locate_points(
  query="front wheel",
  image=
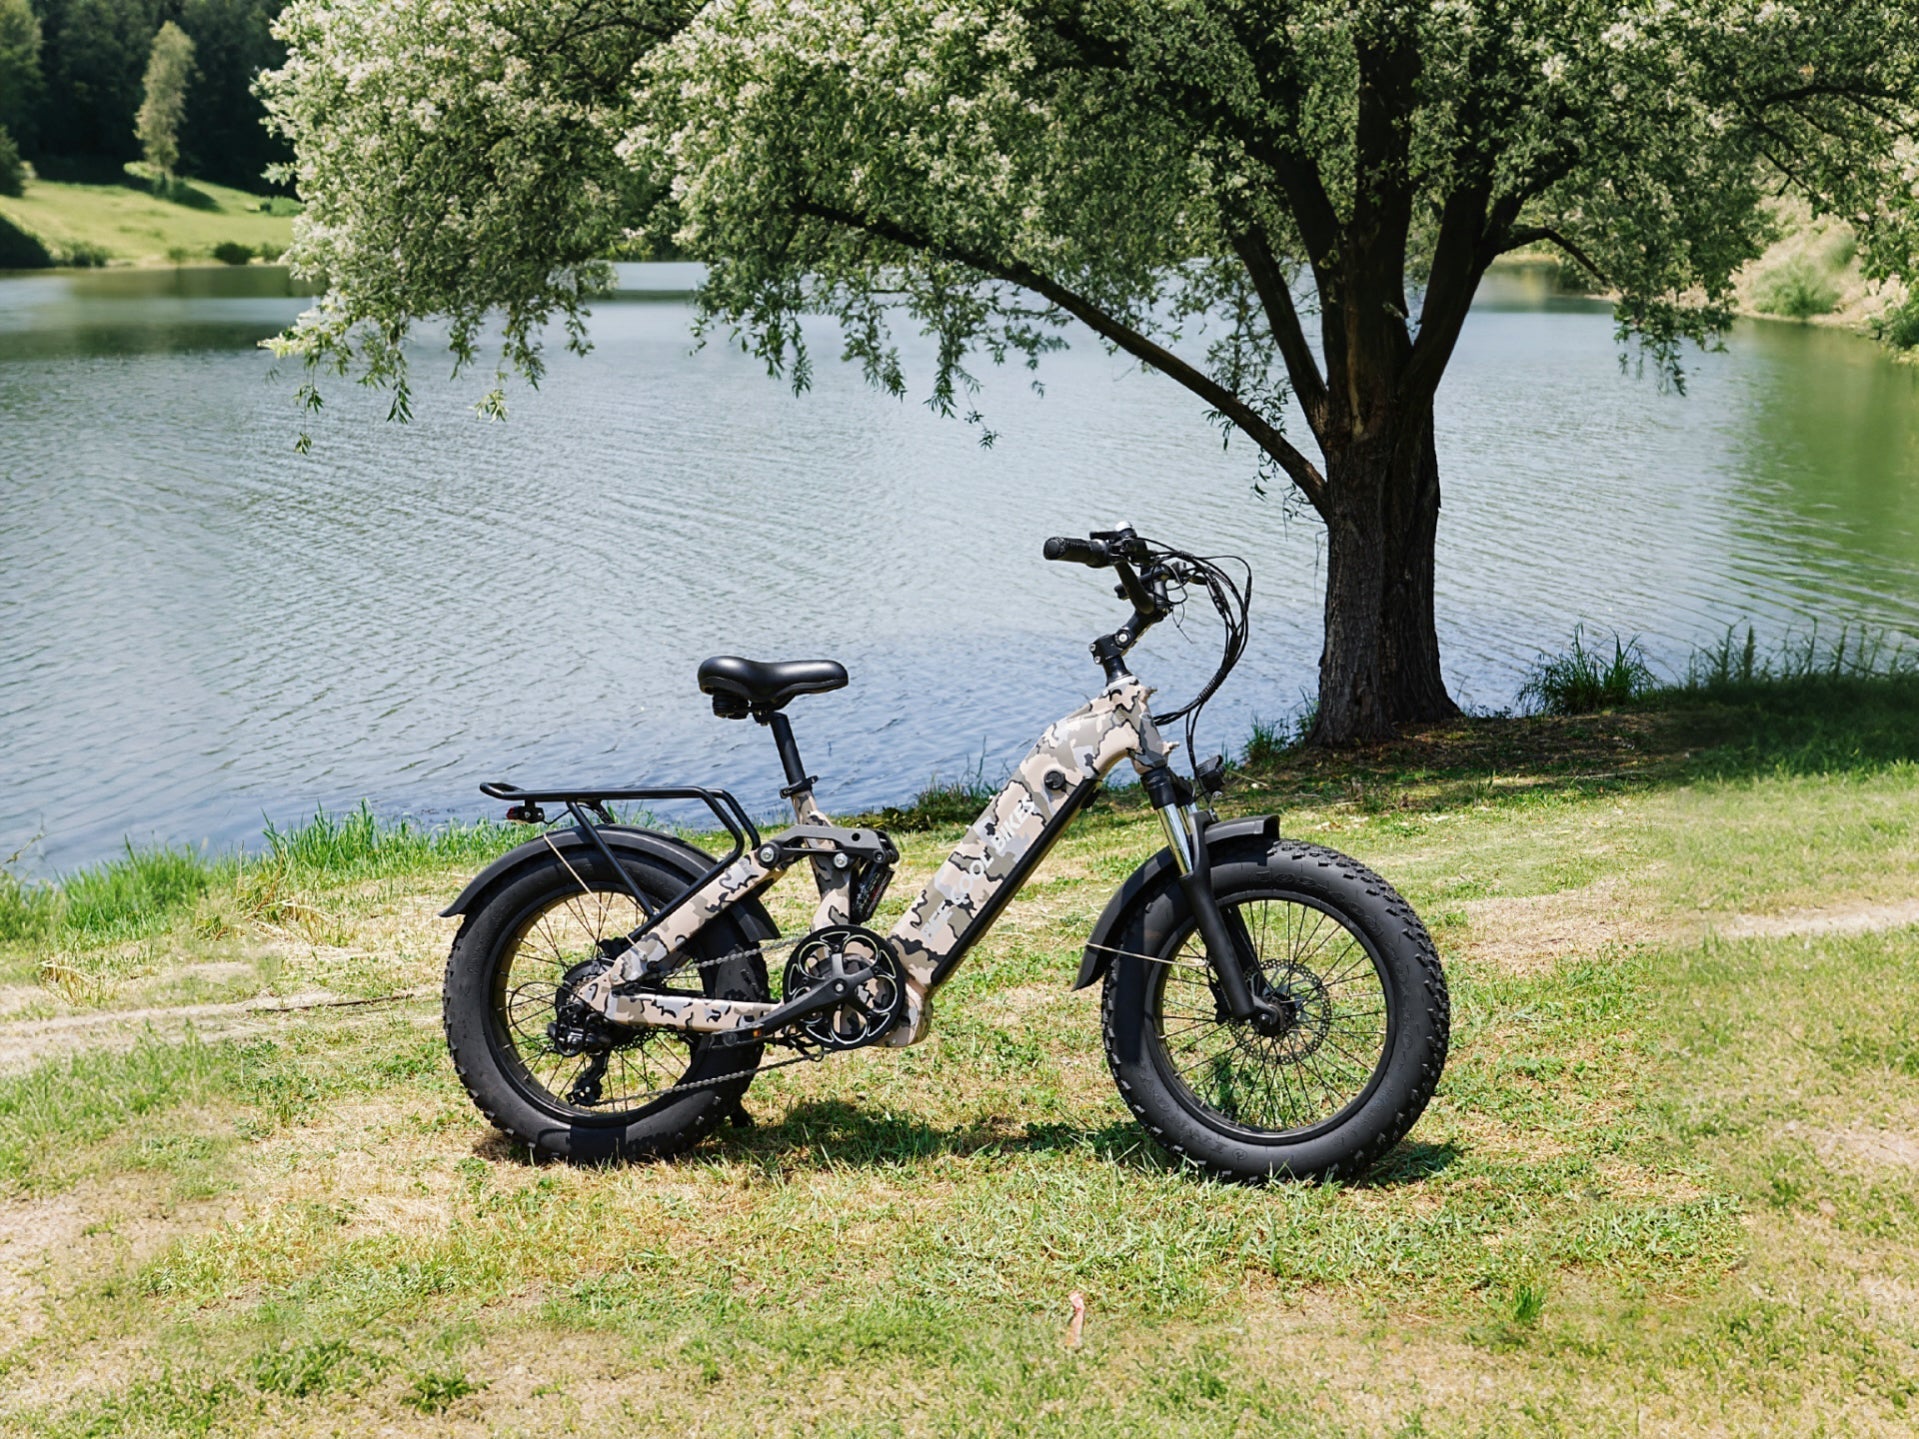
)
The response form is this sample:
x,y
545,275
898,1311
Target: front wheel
x,y
1352,1061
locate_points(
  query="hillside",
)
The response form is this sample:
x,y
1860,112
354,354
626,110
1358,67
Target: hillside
x,y
127,224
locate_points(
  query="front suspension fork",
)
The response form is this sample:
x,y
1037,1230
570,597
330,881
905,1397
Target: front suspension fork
x,y
1229,948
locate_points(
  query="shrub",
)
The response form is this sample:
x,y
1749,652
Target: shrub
x,y
83,256
232,252
13,170
1805,273
1900,327
1581,681
21,251
1794,289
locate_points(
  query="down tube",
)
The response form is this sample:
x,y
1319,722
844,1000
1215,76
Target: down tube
x,y
1003,845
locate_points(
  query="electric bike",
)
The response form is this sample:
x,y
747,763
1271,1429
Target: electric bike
x,y
1270,1009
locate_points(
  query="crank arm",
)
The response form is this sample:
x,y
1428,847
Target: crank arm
x,y
822,996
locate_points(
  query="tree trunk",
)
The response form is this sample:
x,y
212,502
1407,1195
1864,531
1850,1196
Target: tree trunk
x,y
1380,665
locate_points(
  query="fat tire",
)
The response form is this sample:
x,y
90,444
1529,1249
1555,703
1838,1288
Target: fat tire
x,y
666,1127
1410,973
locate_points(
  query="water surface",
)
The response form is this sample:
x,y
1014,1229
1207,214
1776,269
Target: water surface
x,y
201,630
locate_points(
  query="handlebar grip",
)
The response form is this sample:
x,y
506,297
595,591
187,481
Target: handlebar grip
x,y
1091,553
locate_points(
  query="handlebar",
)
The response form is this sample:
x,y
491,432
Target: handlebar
x,y
1154,579
1120,550
1094,554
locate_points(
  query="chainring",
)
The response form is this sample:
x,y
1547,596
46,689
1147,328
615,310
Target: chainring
x,y
872,1007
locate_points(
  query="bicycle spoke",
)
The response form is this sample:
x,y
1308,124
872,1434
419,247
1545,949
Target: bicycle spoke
x,y
1295,1078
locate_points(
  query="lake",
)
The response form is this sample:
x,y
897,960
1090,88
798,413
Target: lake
x,y
201,630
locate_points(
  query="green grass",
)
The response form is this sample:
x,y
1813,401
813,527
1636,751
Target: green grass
x,y
1667,1185
129,224
1582,681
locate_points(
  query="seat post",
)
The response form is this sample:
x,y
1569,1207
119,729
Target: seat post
x,y
782,727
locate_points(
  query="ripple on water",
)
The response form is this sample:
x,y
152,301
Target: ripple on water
x,y
203,629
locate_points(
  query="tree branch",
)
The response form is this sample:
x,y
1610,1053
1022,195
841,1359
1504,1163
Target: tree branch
x,y
1276,298
1532,235
1459,259
1258,429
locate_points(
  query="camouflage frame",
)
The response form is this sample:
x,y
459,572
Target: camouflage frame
x,y
966,894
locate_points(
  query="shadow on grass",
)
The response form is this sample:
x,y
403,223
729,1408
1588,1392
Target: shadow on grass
x,y
834,1134
1814,724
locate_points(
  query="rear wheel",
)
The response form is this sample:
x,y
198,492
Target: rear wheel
x,y
1350,1064
553,1073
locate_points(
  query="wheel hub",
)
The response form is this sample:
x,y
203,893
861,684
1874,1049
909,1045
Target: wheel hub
x,y
577,1027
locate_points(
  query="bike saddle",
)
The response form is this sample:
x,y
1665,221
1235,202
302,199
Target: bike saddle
x,y
738,685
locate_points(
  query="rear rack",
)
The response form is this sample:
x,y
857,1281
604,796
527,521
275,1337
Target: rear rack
x,y
578,801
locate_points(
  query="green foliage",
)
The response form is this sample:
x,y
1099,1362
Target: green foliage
x,y
981,172
21,86
131,895
941,805
13,174
1267,743
93,57
232,252
223,134
19,250
358,844
1805,273
83,103
146,890
1733,665
1795,289
435,1391
1899,326
1582,681
164,102
85,255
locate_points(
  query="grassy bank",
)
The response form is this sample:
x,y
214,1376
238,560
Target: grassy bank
x,y
127,223
1668,1184
1809,272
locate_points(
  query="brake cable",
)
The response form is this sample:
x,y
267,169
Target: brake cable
x,y
1232,600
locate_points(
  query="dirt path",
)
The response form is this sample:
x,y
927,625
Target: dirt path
x,y
1529,934
1523,934
29,1042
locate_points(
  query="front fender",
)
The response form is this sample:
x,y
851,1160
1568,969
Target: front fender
x,y
1262,830
664,850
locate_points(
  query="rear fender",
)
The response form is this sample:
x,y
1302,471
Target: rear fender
x,y
1259,832
668,852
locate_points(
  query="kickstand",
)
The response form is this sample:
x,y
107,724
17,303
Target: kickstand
x,y
738,1117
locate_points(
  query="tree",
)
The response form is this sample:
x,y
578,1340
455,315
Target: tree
x,y
169,68
1193,182
20,81
92,56
13,175
225,138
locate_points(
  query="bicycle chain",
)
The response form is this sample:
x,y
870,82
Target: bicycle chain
x,y
805,1056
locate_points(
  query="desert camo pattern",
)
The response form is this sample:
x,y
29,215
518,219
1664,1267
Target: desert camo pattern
x,y
1075,750
1078,749
743,879
835,885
